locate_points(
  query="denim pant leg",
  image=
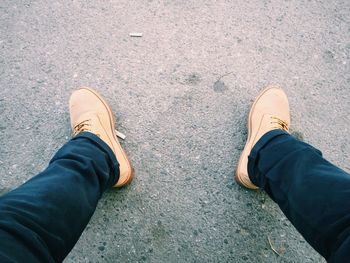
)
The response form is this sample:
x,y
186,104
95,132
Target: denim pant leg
x,y
313,193
41,220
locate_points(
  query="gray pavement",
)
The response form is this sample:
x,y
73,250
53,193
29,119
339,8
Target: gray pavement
x,y
181,94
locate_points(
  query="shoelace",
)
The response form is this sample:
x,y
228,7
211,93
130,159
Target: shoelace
x,y
82,126
280,124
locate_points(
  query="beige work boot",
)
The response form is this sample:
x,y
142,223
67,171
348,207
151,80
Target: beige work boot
x,y
90,112
270,111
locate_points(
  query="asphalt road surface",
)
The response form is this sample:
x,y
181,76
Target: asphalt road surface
x,y
181,94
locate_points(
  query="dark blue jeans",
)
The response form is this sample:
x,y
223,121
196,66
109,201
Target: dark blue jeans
x,y
311,192
43,219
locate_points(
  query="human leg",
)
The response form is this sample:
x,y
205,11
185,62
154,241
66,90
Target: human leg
x,y
42,220
313,193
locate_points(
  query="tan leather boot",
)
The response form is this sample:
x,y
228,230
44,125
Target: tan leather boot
x,y
270,111
90,112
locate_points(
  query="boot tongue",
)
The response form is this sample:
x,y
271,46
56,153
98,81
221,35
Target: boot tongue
x,y
85,123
